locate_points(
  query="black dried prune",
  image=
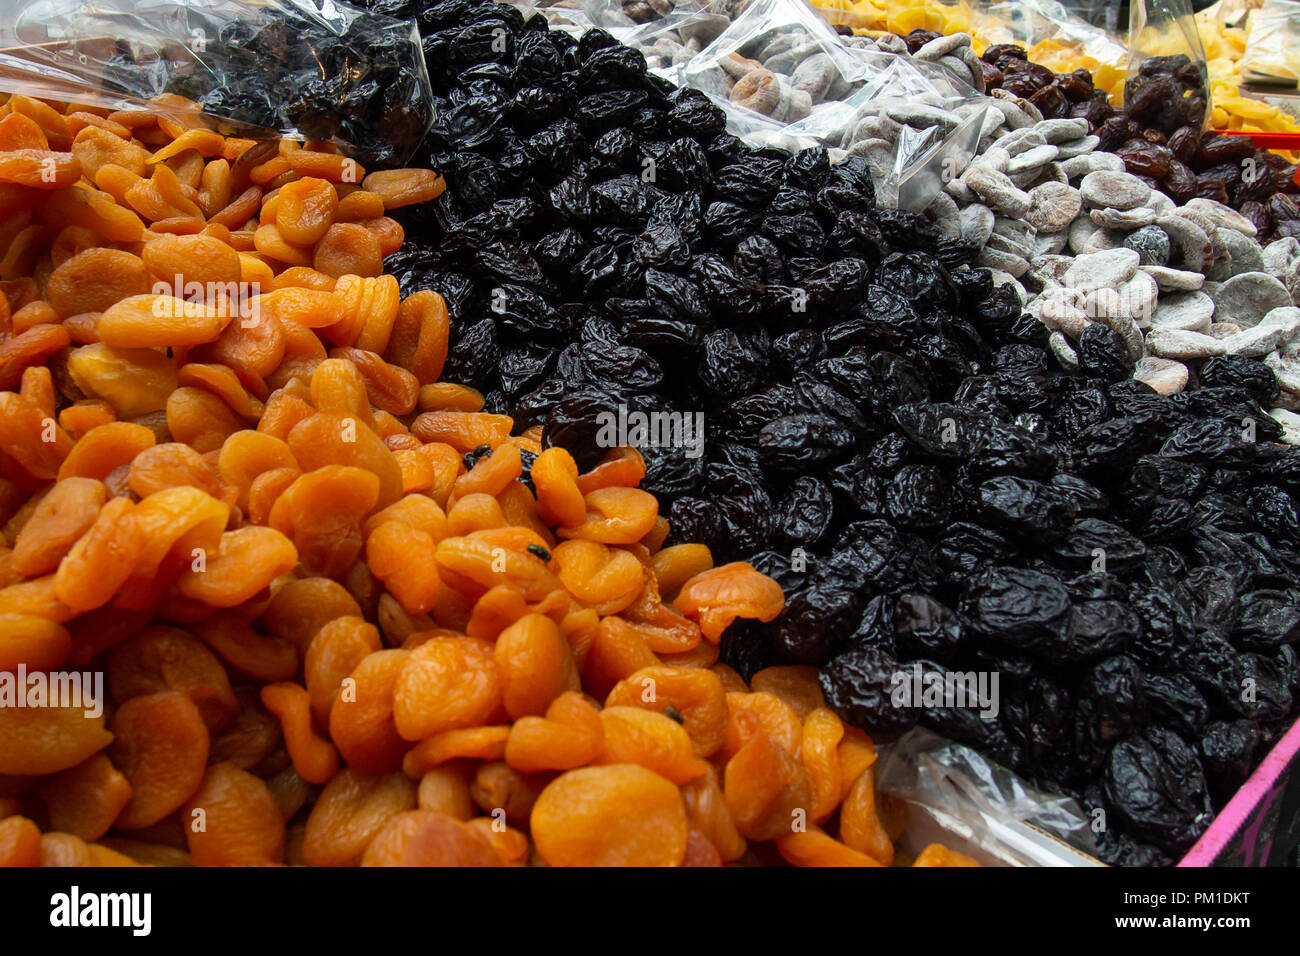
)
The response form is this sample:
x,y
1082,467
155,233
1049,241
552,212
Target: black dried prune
x,y
925,627
804,513
1103,353
1098,628
793,442
1174,700
1024,507
1146,791
1227,749
917,497
1237,371
860,684
1027,609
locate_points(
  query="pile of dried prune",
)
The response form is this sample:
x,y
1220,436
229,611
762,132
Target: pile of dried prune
x,y
885,431
331,76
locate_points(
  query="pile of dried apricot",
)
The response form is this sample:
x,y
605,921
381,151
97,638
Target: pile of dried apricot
x,y
343,616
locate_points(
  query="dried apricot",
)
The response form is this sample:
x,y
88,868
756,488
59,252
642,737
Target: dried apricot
x,y
161,746
619,815
718,596
167,658
570,735
444,684
233,820
428,838
314,758
45,739
85,800
361,720
695,696
651,739
535,665
349,812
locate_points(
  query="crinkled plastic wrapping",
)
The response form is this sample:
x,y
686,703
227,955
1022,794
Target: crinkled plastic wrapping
x,y
784,78
1158,31
569,16
1273,47
1049,26
979,807
1103,14
670,42
256,67
612,14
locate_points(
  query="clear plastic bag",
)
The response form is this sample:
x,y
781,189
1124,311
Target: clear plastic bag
x,y
1168,82
1102,14
271,67
785,78
962,799
1050,31
1273,48
670,42
609,14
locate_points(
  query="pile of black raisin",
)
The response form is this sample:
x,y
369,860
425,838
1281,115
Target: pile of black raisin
x,y
885,432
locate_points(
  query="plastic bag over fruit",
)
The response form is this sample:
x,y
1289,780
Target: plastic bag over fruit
x,y
1168,83
961,798
1052,35
1273,48
785,78
272,67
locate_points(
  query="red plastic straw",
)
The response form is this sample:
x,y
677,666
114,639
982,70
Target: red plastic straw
x,y
1267,140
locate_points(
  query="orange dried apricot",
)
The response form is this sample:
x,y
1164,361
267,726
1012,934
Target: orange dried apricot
x,y
20,842
535,665
718,596
66,513
361,720
428,838
615,515
860,826
40,740
444,684
651,739
570,735
35,643
166,658
936,854
335,651
233,820
696,696
605,578
402,556
402,187
617,815
95,279
350,811
161,746
314,758
85,800
302,606
246,561
814,847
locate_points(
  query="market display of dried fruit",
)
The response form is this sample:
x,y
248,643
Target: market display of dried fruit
x,y
581,503
344,613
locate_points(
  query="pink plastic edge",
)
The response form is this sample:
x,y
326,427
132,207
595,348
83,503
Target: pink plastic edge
x,y
1234,815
